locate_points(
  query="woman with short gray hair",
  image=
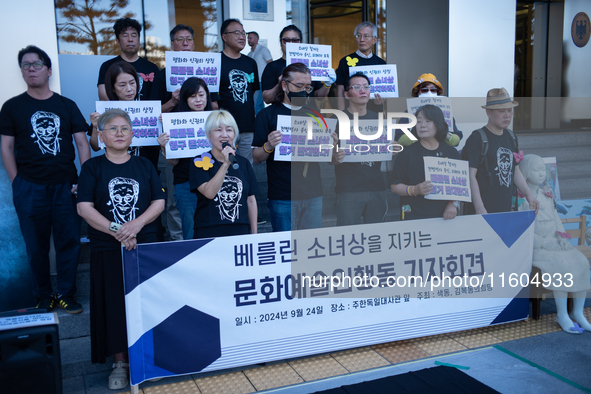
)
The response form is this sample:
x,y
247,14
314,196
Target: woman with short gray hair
x,y
119,196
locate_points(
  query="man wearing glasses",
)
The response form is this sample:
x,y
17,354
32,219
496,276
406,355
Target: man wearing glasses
x,y
366,36
360,186
182,38
127,37
39,126
239,80
272,73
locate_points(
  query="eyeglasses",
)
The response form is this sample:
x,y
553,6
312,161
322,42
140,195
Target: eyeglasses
x,y
287,39
360,87
36,65
427,90
300,87
364,36
180,40
237,33
114,130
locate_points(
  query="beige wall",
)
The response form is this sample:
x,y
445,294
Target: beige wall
x,y
417,41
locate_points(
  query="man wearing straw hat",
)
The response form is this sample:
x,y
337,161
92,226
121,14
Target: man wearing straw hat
x,y
493,156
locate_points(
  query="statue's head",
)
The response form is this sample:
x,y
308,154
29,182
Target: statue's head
x,y
533,169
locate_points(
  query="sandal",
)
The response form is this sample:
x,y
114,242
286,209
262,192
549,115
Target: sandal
x,y
119,378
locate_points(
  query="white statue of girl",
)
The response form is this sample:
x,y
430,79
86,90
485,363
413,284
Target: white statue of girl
x,y
553,254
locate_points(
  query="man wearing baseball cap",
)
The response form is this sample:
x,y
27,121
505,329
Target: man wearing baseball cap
x,y
493,157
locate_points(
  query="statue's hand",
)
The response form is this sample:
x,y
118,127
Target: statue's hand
x,y
564,244
551,245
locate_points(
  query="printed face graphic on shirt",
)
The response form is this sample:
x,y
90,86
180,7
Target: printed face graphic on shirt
x,y
228,198
46,126
141,79
123,193
504,166
239,85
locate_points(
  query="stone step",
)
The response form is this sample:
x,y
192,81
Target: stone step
x,y
75,356
575,188
557,140
562,154
75,325
574,169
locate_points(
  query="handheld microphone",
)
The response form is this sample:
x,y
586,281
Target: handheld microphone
x,y
235,164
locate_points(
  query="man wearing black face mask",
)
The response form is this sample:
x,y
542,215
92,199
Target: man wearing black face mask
x,y
295,200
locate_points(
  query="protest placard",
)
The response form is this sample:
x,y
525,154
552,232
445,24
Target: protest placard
x,y
295,145
318,58
187,134
183,65
412,104
362,150
383,79
144,119
449,178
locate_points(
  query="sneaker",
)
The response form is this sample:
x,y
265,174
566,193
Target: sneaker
x,y
46,303
119,378
69,304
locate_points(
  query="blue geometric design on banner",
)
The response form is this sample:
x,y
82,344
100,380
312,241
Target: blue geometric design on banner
x,y
141,360
517,309
510,226
258,6
155,258
187,341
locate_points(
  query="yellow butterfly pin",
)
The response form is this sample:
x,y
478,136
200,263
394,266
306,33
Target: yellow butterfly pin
x,y
352,62
204,161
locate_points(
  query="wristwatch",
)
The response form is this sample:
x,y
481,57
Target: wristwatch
x,y
114,227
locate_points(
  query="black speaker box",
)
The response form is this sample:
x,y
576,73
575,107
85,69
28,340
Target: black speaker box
x,y
30,361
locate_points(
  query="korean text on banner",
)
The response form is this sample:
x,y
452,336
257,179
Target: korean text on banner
x,y
242,300
318,58
295,144
413,104
144,119
449,178
383,79
187,134
183,65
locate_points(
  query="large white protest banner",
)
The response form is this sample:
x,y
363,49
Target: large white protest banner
x,y
295,144
383,79
412,104
449,178
318,58
144,119
183,65
210,304
187,133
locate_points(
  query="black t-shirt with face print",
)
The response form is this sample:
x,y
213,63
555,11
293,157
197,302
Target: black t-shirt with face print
x,y
121,193
497,196
238,82
229,206
43,132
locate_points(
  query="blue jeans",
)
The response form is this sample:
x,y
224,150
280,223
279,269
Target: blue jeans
x,y
296,214
186,203
41,208
352,206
